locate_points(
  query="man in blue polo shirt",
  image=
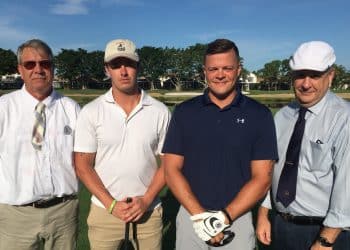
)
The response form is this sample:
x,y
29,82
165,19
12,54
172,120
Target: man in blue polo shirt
x,y
219,153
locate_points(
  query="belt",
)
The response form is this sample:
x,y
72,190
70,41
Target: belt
x,y
301,220
50,202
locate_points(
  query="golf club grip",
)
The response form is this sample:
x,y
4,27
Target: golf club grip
x,y
127,225
127,229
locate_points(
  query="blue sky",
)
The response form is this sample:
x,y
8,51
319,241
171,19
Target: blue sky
x,y
264,30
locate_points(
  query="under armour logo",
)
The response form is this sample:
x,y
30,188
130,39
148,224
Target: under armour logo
x,y
240,120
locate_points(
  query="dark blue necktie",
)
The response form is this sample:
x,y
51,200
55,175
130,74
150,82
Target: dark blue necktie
x,y
288,179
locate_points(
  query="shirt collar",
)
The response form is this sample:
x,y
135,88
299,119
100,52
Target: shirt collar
x,y
235,102
318,107
145,99
32,101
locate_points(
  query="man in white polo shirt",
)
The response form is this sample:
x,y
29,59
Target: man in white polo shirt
x,y
118,138
38,185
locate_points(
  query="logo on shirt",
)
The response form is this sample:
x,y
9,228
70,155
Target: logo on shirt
x,y
67,130
240,120
319,141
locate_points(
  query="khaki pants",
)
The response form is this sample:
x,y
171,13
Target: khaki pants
x,y
107,231
22,228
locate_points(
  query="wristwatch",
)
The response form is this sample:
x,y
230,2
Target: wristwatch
x,y
324,242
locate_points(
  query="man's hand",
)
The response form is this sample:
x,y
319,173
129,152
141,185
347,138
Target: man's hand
x,y
263,226
138,206
120,210
209,224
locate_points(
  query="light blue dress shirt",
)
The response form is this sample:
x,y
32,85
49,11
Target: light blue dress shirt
x,y
323,184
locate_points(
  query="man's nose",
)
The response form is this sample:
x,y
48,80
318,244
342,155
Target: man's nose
x,y
220,73
123,70
306,81
38,67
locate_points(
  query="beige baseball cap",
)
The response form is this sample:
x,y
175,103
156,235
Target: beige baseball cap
x,y
121,48
314,55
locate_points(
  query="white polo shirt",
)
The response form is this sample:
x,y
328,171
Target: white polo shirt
x,y
26,174
126,146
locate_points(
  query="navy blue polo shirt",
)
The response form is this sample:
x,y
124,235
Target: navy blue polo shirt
x,y
219,144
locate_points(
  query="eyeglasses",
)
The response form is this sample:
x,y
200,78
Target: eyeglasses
x,y
119,62
46,64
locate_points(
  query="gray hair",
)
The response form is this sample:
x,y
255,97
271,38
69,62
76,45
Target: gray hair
x,y
35,44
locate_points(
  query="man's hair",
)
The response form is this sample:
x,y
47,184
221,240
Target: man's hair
x,y
35,44
221,46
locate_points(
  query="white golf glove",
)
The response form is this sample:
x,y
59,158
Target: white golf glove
x,y
209,224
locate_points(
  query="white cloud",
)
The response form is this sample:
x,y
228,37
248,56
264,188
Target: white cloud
x,y
74,46
70,7
207,37
11,36
80,7
122,2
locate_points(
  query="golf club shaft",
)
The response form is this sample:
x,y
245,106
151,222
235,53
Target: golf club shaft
x,y
127,227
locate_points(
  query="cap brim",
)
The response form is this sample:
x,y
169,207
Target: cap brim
x,y
132,57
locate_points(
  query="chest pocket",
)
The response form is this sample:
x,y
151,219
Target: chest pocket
x,y
60,141
319,156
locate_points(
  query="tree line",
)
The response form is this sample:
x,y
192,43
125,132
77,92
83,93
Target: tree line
x,y
171,66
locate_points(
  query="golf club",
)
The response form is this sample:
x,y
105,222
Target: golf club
x,y
126,243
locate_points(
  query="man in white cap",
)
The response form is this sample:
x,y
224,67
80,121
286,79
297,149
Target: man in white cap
x,y
119,135
310,190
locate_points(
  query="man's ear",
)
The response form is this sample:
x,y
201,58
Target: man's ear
x,y
239,70
205,74
19,69
331,75
107,72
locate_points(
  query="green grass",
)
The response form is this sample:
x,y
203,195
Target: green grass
x,y
84,207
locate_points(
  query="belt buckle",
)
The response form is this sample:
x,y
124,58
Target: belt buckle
x,y
43,203
287,216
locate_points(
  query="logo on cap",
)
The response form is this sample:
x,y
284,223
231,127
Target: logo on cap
x,y
121,47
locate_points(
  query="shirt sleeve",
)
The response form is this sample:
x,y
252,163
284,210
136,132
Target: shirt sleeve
x,y
174,138
267,201
85,132
265,147
2,121
2,118
162,130
339,209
